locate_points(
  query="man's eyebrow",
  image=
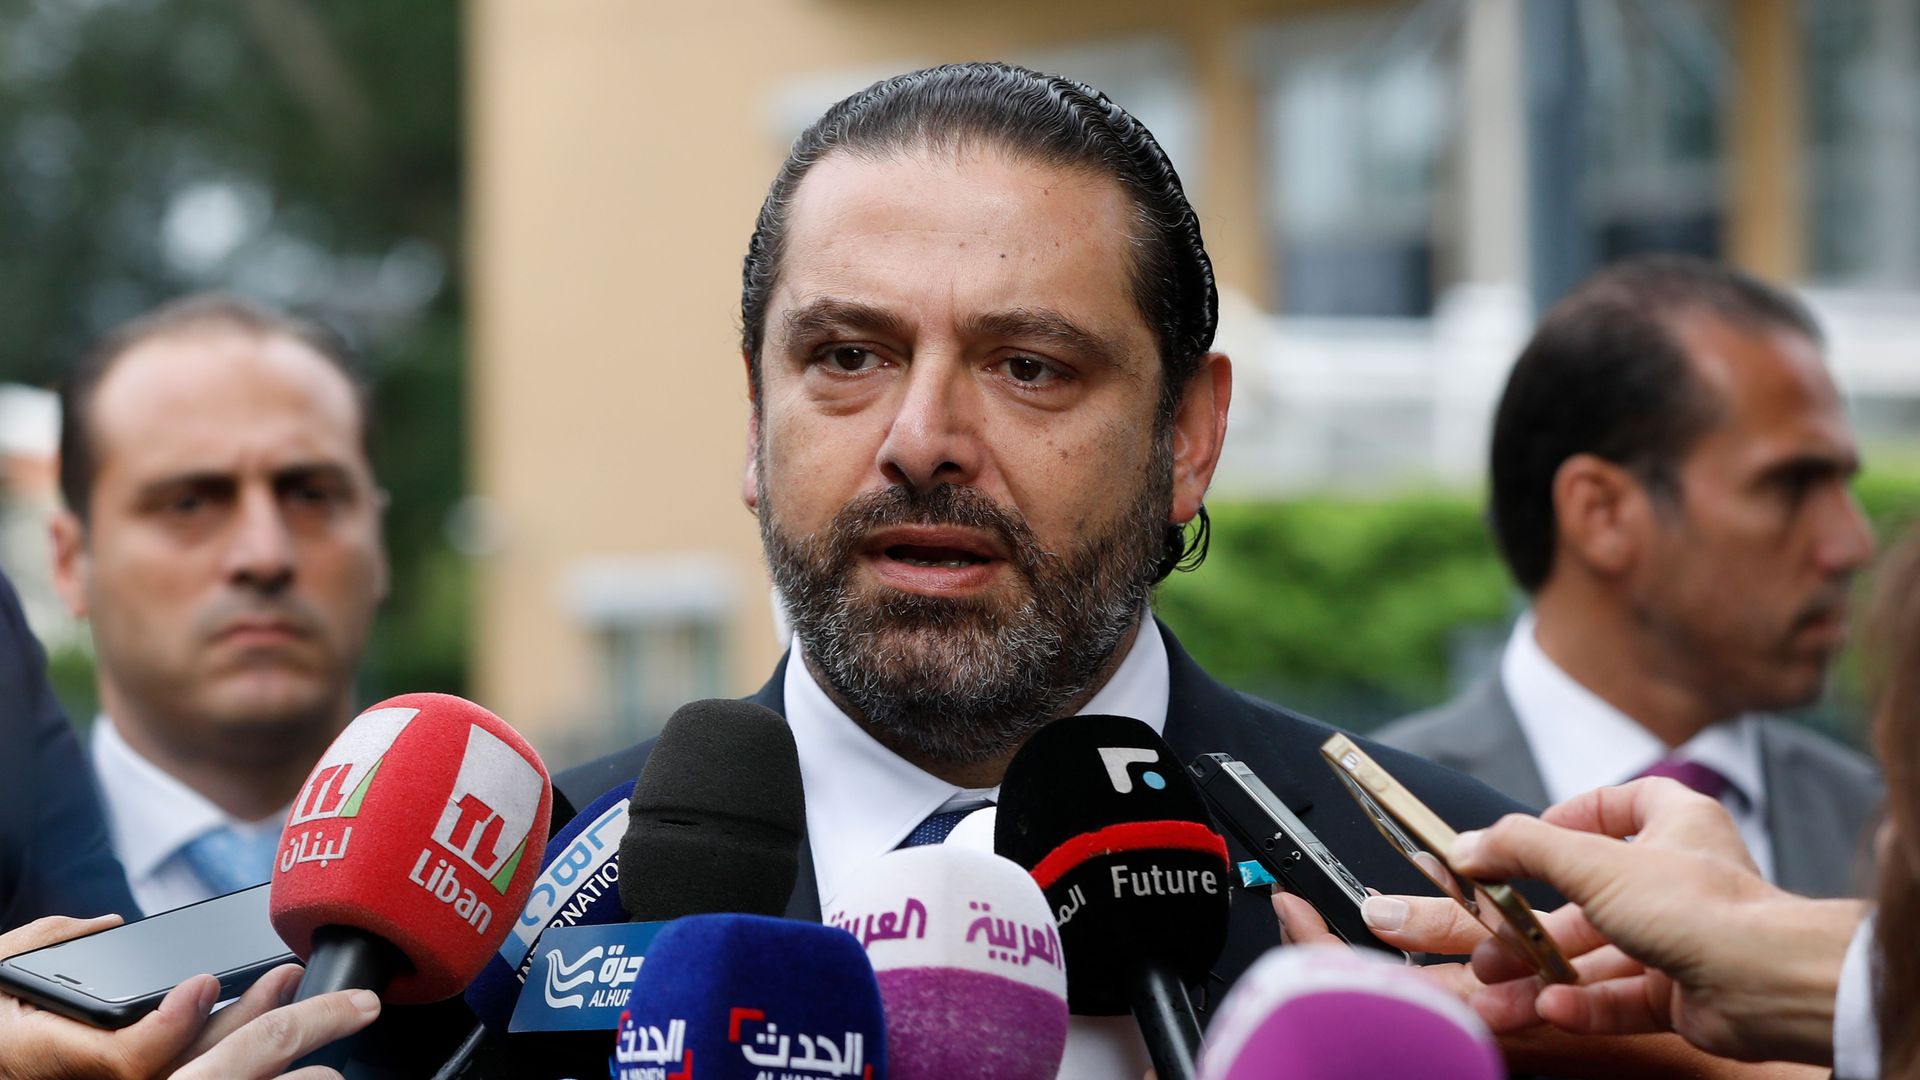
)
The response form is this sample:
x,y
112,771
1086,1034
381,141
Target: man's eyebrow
x,y
217,478
1045,326
831,314
1838,463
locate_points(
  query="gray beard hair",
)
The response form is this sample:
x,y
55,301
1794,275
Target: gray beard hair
x,y
964,680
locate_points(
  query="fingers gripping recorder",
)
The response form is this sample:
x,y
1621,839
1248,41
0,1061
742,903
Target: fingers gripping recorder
x,y
1427,842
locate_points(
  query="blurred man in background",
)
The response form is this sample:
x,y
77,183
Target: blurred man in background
x,y
1670,485
222,537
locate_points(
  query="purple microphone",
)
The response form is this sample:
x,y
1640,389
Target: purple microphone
x,y
1330,1013
970,967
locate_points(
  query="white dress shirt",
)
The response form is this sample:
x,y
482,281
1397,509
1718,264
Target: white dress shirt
x,y
151,816
1856,1031
863,800
1580,742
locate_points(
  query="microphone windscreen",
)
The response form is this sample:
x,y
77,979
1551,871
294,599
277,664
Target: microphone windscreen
x,y
414,827
578,886
717,816
1115,833
968,962
1333,1013
746,996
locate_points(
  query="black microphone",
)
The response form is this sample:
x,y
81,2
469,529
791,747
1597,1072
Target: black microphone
x,y
1116,835
713,825
717,817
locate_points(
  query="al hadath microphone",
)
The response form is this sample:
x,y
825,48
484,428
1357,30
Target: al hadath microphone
x,y
969,964
1325,1012
744,997
1106,820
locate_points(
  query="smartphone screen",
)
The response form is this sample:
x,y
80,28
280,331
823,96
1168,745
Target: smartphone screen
x,y
227,936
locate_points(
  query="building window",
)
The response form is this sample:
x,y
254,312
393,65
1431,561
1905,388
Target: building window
x,y
1863,132
658,625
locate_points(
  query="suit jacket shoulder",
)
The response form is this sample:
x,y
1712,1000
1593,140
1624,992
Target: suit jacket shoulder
x,y
55,858
1823,803
1478,734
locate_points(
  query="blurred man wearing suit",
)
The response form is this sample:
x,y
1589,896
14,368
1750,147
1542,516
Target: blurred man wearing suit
x,y
1670,485
222,538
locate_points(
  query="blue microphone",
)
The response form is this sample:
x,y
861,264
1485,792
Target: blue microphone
x,y
578,886
745,996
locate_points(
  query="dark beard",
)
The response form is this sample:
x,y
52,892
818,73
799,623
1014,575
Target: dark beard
x,y
963,680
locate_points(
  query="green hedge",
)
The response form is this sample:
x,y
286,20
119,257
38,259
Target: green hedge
x,y
1360,610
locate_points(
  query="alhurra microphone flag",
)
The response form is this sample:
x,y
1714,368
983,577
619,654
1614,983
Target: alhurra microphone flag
x,y
1333,1013
415,828
969,964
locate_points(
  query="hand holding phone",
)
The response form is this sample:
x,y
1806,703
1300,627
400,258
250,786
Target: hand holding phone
x,y
178,1038
1427,842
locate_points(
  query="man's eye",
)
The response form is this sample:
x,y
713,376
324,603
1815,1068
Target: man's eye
x,y
1030,370
186,504
851,358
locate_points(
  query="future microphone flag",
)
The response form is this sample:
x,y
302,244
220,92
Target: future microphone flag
x,y
415,827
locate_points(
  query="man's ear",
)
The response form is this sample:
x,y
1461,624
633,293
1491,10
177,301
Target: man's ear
x,y
1199,429
750,476
1601,512
72,566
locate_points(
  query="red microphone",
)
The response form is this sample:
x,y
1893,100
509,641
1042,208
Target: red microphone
x,y
405,859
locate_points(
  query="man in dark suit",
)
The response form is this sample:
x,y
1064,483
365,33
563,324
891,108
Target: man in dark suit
x,y
1670,471
54,855
977,319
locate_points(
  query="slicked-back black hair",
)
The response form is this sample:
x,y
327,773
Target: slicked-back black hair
x,y
1606,374
1045,118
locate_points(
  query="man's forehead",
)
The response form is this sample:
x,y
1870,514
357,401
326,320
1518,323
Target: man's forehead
x,y
220,393
978,229
1770,387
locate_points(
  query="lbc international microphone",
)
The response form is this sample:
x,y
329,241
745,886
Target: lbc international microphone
x,y
968,960
1109,825
577,886
746,997
1322,1012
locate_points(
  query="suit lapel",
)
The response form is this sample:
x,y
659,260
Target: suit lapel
x,y
1505,759
804,904
1809,856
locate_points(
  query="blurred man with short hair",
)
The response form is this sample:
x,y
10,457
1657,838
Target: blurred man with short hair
x,y
222,537
1671,486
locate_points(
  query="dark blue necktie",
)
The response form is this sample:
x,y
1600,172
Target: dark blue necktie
x,y
938,826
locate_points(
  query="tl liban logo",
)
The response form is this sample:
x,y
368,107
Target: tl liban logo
x,y
339,783
491,808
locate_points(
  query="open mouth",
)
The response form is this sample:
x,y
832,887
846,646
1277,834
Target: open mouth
x,y
944,557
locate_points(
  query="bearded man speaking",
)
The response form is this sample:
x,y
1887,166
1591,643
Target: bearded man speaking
x,y
977,326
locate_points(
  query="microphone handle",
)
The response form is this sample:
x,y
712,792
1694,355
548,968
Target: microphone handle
x,y
345,958
1167,1023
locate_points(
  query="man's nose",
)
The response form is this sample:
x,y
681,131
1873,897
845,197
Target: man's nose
x,y
260,546
935,436
1848,543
